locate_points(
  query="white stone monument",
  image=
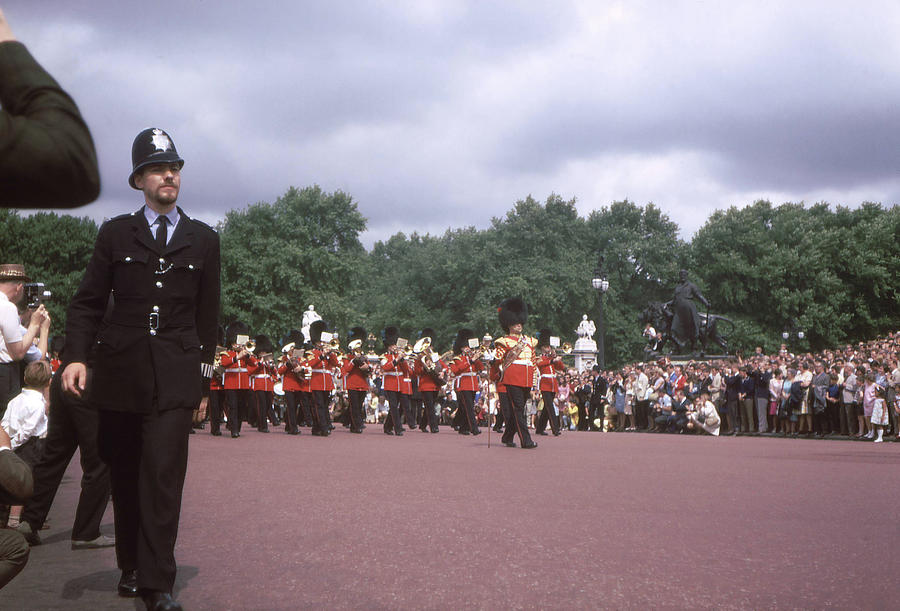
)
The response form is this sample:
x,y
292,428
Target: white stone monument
x,y
309,317
585,349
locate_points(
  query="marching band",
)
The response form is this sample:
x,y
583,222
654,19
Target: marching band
x,y
413,379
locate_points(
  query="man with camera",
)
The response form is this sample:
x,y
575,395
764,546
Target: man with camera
x,y
15,339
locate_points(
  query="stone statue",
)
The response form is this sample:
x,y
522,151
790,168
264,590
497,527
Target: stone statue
x,y
685,319
585,331
309,317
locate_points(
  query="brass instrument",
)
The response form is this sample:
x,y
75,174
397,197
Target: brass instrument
x,y
567,348
249,346
422,345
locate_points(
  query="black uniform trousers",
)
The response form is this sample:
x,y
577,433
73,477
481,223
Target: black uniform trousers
x,y
10,383
430,415
517,426
238,402
147,457
392,422
584,421
292,401
467,404
357,410
215,403
321,417
264,401
72,425
504,415
548,413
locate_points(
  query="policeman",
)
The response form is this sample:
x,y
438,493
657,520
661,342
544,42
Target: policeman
x,y
162,267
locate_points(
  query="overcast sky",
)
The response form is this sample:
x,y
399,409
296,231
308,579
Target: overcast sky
x,y
437,114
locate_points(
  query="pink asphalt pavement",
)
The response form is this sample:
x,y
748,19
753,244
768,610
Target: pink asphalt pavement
x,y
587,520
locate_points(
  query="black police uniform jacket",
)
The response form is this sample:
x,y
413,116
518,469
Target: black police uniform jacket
x,y
164,319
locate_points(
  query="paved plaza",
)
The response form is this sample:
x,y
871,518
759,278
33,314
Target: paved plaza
x,y
588,520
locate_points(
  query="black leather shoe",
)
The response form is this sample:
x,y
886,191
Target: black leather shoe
x,y
476,432
263,430
235,435
509,444
160,601
216,433
529,446
399,433
128,584
557,433
544,433
463,432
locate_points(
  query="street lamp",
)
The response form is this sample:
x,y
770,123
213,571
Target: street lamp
x,y
601,285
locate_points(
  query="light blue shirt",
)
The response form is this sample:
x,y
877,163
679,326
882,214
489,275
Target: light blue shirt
x,y
153,221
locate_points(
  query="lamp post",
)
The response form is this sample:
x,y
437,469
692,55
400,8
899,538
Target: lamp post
x,y
787,336
601,285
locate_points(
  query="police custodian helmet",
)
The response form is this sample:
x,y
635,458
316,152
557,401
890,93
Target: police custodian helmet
x,y
151,146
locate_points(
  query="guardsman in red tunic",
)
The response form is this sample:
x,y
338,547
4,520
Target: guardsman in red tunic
x,y
322,363
429,370
356,371
294,382
262,383
394,368
548,363
515,352
465,367
239,364
216,401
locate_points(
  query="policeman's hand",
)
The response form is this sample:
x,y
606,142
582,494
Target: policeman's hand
x,y
74,378
5,31
45,323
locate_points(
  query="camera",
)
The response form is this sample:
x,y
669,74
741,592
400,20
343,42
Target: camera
x,y
35,294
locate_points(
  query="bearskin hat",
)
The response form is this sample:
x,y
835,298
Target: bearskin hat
x,y
233,330
316,329
389,336
263,344
511,312
356,333
543,337
462,340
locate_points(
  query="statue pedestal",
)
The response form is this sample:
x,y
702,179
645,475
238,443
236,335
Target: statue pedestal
x,y
584,359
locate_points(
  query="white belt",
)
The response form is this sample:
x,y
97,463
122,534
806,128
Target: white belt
x,y
237,370
263,375
321,371
469,374
407,379
548,375
395,374
522,362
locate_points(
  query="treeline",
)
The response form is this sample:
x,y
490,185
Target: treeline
x,y
832,273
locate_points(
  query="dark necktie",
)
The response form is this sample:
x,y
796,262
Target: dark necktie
x,y
162,232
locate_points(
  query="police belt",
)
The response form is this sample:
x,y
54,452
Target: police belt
x,y
128,315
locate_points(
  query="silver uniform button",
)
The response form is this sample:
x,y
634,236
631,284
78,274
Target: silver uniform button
x,y
156,308
127,259
152,331
162,261
159,285
191,266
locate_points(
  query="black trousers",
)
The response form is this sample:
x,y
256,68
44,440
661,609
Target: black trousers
x,y
396,402
73,424
430,415
264,400
548,413
641,414
147,457
584,423
216,405
238,402
409,412
292,401
357,410
517,426
321,417
504,415
10,384
467,404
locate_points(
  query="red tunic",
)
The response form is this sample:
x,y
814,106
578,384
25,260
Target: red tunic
x,y
354,377
290,380
547,366
466,372
426,381
395,368
494,376
238,371
263,378
521,371
322,365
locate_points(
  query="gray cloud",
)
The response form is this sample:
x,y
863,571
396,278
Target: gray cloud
x,y
437,114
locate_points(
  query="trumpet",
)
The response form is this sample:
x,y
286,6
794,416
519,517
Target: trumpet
x,y
249,346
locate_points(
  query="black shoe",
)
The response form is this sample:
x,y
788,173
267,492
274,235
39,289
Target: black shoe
x,y
544,433
399,433
216,433
509,444
389,432
434,432
263,431
476,432
128,584
293,431
357,431
235,435
463,432
192,432
160,601
529,446
557,433
497,429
